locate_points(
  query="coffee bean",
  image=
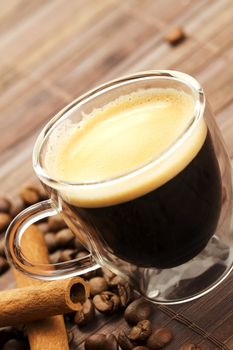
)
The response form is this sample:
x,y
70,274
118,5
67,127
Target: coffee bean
x,y
86,314
43,226
124,341
141,347
106,302
107,274
2,248
159,338
190,346
17,206
64,237
82,254
95,342
66,255
70,335
5,219
5,205
110,342
50,240
175,36
97,285
125,293
55,257
29,195
77,244
4,266
138,310
115,281
56,223
141,331
14,344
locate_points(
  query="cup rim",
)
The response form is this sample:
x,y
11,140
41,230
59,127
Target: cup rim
x,y
181,77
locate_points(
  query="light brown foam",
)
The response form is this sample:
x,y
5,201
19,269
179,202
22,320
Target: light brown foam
x,y
127,134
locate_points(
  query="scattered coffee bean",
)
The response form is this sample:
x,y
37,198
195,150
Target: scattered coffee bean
x,y
190,346
14,344
107,274
2,248
17,206
115,281
124,341
97,285
159,338
106,302
110,342
5,205
5,219
138,310
141,331
141,347
95,342
50,240
86,314
4,266
77,244
43,226
29,195
67,254
56,223
42,192
125,293
55,257
82,254
64,237
175,36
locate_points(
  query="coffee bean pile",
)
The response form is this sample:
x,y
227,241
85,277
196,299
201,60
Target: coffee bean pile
x,y
109,293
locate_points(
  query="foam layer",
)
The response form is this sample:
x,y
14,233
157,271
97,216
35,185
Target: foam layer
x,y
125,135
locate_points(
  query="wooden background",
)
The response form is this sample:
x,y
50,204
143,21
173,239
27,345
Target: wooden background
x,y
52,51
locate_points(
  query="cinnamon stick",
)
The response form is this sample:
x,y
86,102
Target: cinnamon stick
x,y
49,333
32,303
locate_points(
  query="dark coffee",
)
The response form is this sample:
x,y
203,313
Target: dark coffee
x,y
169,225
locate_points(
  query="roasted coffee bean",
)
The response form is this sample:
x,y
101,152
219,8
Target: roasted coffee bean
x,y
106,302
44,227
125,293
86,314
82,254
77,244
66,255
175,36
55,257
159,338
124,341
138,310
4,266
97,285
17,206
141,331
110,342
50,240
14,344
64,237
29,195
95,342
115,281
107,274
56,223
5,219
190,346
5,205
2,248
141,347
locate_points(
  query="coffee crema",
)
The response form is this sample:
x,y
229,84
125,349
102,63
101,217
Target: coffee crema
x,y
131,135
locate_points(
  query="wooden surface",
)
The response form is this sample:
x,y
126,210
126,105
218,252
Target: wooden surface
x,y
52,51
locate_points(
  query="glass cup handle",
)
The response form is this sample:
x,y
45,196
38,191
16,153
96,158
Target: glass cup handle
x,y
14,253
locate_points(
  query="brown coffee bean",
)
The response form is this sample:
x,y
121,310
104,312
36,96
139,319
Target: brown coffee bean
x,y
55,257
77,244
14,344
4,266
159,338
56,223
5,219
97,285
106,302
124,341
95,342
50,240
5,205
125,293
43,226
29,195
141,331
110,342
2,248
86,314
140,309
67,254
141,347
17,206
175,36
64,237
107,274
190,346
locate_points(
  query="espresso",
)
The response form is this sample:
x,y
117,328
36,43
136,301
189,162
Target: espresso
x,y
148,182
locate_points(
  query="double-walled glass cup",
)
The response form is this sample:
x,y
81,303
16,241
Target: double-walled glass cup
x,y
174,242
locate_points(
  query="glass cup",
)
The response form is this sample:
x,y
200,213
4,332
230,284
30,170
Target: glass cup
x,y
172,244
